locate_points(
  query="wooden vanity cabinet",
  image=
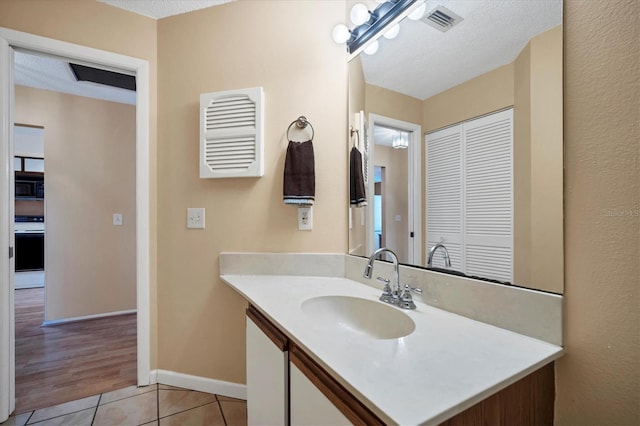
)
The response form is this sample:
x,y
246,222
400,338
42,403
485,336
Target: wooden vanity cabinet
x,y
285,386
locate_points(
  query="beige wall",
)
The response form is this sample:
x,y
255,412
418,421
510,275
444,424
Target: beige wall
x,y
598,379
395,161
537,156
486,93
90,174
388,103
522,168
288,50
95,24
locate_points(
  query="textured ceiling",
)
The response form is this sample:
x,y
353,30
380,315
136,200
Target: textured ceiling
x,y
158,9
422,61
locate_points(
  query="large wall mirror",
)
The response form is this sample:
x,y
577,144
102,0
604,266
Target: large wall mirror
x,y
459,127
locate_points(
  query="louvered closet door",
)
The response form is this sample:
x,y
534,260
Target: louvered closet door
x,y
444,194
488,212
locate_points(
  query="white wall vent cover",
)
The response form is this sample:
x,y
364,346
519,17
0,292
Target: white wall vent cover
x,y
232,133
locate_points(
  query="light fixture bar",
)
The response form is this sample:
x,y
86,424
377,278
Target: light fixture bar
x,y
374,28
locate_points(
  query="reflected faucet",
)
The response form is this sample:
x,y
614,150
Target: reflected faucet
x,y
447,260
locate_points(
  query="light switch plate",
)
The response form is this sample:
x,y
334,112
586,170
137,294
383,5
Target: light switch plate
x,y
117,219
195,218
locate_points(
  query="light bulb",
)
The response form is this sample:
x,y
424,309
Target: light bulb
x,y
418,12
359,14
341,33
372,48
392,32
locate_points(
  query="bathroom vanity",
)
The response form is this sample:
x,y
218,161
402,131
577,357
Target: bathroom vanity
x,y
321,349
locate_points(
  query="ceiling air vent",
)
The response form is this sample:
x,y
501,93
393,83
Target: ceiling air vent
x,y
442,19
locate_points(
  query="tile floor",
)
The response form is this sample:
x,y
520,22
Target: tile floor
x,y
152,405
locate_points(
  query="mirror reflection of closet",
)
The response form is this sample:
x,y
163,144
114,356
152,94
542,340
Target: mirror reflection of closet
x,y
440,79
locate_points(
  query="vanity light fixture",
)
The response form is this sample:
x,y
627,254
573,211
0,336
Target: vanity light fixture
x,y
371,25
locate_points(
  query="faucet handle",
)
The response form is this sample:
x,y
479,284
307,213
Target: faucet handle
x,y
406,301
416,290
387,295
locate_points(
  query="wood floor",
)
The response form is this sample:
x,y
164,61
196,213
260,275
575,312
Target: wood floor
x,y
63,363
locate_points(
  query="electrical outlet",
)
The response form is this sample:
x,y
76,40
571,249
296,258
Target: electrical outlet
x,y
117,219
195,218
305,218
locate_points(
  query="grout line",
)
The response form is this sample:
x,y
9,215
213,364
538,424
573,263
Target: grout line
x,y
189,409
125,397
93,419
224,419
158,404
30,415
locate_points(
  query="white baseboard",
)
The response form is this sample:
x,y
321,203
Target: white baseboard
x,y
88,317
202,384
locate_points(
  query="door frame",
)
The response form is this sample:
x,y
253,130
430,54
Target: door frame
x,y
9,40
414,183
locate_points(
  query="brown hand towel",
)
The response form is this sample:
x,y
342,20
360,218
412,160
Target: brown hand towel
x,y
358,196
299,174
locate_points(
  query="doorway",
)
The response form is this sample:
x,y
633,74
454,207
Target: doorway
x,y
394,219
10,41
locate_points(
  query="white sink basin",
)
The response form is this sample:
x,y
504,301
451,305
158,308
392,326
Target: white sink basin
x,y
372,318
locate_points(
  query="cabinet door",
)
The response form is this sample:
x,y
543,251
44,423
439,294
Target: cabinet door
x,y
316,398
267,375
309,406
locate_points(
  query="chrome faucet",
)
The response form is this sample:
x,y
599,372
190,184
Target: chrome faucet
x,y
447,260
396,296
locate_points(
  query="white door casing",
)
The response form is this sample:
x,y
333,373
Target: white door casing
x,y
10,39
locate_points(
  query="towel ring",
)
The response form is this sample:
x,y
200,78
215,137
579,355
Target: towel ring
x,y
301,123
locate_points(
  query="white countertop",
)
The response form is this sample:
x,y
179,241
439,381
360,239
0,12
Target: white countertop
x,y
448,364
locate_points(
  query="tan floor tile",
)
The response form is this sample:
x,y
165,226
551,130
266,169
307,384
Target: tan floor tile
x,y
228,398
79,418
125,393
235,413
134,410
66,408
161,386
175,401
209,415
19,420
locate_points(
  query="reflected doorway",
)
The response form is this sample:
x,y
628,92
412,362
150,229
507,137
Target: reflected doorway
x,y
394,218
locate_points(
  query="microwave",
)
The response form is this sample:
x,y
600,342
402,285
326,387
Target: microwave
x,y
29,188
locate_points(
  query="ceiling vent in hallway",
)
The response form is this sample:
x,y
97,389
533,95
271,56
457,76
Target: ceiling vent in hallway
x,y
105,77
442,19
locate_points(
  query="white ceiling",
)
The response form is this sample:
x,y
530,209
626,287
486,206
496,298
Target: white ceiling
x,y
158,9
422,61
